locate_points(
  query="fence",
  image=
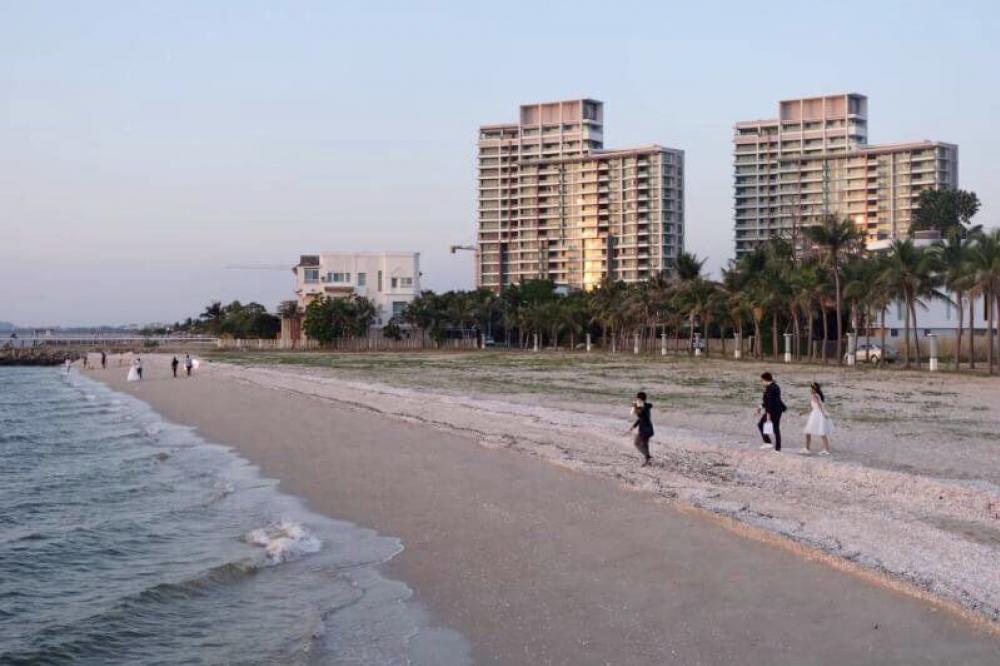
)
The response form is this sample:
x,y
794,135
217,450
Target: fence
x,y
372,343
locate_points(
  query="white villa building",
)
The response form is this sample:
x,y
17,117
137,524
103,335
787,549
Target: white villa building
x,y
390,280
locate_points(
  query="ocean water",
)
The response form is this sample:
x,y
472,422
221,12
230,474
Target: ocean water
x,y
125,539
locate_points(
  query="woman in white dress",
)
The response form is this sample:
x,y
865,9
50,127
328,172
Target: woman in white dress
x,y
133,372
819,423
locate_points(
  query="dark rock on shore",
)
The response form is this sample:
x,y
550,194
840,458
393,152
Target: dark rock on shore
x,y
14,356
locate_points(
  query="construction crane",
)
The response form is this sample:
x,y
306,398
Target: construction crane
x,y
467,248
258,267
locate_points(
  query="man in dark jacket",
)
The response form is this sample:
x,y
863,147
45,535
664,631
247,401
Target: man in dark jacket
x,y
643,421
772,408
173,366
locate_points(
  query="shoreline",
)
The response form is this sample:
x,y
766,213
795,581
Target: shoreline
x,y
443,491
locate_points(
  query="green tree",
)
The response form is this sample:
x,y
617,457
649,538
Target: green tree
x,y
329,319
946,210
911,272
985,261
835,236
954,259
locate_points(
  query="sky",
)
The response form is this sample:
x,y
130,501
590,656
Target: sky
x,y
146,146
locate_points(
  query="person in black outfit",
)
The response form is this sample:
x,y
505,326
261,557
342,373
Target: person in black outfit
x,y
772,408
104,361
173,366
643,421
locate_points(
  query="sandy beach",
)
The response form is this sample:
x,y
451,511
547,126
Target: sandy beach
x,y
560,564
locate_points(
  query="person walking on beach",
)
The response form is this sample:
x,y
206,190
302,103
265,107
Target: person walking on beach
x,y
104,361
772,408
68,364
138,367
85,358
188,364
644,422
819,423
173,366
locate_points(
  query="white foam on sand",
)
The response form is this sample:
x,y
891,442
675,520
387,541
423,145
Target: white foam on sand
x,y
941,534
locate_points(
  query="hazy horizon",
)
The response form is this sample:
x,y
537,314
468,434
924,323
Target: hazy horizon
x,y
146,147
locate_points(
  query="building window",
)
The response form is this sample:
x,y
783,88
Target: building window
x,y
362,279
405,282
393,282
380,280
311,275
398,308
338,277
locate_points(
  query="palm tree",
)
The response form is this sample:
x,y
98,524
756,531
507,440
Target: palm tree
x,y
956,271
687,270
804,283
213,316
911,273
835,237
985,261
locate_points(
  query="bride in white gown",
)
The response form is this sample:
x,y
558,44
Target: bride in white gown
x,y
133,372
819,423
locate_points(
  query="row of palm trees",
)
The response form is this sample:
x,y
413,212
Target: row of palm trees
x,y
778,288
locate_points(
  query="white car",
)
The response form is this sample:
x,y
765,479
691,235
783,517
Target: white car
x,y
872,353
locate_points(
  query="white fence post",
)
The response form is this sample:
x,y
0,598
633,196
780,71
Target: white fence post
x,y
788,347
588,343
933,338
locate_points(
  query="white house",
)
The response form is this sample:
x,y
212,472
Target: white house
x,y
390,280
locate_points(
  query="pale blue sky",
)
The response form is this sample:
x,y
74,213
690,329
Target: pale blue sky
x,y
145,145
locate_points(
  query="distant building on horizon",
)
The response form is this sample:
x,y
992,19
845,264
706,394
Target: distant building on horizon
x,y
553,204
390,280
814,159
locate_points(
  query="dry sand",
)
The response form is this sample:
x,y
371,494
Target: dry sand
x,y
541,564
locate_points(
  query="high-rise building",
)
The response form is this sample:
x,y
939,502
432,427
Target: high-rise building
x,y
814,159
553,204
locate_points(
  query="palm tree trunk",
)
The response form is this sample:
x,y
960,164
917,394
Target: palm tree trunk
x,y
774,336
916,334
810,329
992,333
840,323
798,334
758,351
958,331
972,331
907,331
826,331
882,360
708,323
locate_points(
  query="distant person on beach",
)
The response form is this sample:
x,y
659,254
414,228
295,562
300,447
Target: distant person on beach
x,y
772,408
188,364
104,361
642,411
819,423
85,356
173,366
68,364
138,367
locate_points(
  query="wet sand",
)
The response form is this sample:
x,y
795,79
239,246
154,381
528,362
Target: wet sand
x,y
537,564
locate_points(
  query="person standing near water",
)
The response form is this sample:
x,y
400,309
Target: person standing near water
x,y
642,410
138,367
772,408
104,361
819,423
173,366
188,364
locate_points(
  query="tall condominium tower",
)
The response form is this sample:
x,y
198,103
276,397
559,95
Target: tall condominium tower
x,y
814,159
553,204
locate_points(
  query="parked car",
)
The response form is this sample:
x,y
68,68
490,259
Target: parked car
x,y
873,353
488,341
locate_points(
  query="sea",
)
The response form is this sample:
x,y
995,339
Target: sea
x,y
126,539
